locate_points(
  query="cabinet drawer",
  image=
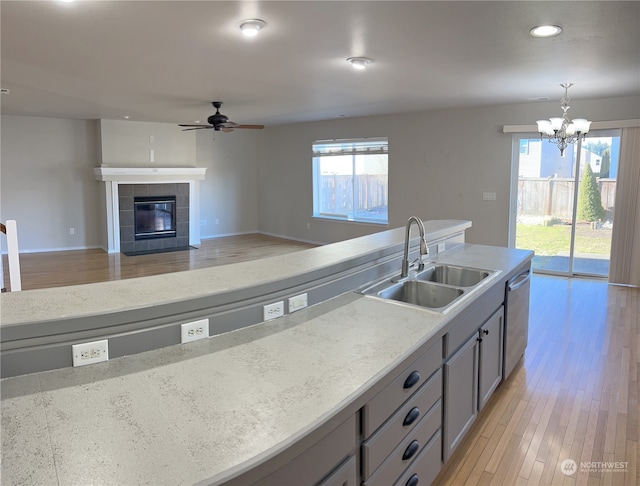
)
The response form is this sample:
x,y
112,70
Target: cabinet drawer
x,y
396,464
385,403
427,465
376,448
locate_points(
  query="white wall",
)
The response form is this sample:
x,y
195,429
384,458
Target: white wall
x,y
440,163
47,182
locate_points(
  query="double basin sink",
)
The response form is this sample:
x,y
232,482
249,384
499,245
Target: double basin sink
x,y
437,287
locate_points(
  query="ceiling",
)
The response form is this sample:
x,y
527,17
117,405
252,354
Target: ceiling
x,y
165,61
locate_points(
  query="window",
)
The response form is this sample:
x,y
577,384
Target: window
x,y
350,180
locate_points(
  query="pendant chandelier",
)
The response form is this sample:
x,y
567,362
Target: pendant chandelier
x,y
563,131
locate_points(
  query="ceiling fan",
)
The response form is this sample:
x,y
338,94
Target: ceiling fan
x,y
219,122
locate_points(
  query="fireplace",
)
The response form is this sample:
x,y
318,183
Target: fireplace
x,y
154,217
122,184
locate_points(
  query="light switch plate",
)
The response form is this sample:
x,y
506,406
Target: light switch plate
x,y
297,302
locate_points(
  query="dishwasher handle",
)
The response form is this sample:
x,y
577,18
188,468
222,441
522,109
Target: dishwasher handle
x,y
516,282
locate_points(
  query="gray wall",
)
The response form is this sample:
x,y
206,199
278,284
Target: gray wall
x,y
127,144
440,163
229,192
47,182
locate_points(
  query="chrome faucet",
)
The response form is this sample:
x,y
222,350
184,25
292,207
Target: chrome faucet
x,y
424,249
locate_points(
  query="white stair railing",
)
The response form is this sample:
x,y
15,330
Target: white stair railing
x,y
11,231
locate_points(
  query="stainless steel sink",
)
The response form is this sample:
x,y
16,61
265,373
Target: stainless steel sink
x,y
438,287
453,275
424,294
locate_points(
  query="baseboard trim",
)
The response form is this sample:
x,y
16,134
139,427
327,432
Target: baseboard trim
x,y
292,238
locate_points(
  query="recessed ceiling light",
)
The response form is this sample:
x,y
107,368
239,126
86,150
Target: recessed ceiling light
x,y
4,90
126,117
251,27
545,30
359,62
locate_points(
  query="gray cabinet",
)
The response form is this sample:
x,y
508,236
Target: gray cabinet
x,y
329,462
471,375
491,357
460,394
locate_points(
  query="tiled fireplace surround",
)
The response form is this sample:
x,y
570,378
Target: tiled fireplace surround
x,y
126,195
121,184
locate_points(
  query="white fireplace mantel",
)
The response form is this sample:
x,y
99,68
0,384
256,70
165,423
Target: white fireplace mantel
x,y
112,176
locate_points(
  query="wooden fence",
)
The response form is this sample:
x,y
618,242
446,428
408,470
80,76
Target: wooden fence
x,y
337,193
553,197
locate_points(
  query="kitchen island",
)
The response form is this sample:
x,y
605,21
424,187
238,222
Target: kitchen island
x,y
243,405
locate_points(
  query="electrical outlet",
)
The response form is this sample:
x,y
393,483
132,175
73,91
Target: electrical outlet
x,y
297,302
488,196
441,247
152,155
89,353
192,331
72,231
271,311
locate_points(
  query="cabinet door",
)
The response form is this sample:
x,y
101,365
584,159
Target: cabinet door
x,y
460,394
490,369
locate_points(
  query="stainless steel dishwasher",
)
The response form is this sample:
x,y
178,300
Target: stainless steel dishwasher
x,y
517,319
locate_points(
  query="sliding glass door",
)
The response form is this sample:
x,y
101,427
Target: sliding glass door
x,y
563,207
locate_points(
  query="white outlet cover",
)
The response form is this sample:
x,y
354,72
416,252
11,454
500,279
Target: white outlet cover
x,y
192,331
271,311
89,353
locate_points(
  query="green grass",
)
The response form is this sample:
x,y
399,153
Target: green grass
x,y
551,240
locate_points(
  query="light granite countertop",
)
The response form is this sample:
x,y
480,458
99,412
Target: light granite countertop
x,y
135,293
186,413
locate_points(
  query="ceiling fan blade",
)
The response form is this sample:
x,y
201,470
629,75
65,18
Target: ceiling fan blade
x,y
249,126
194,128
201,126
226,129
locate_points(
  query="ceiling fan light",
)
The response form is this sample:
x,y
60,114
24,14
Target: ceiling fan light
x,y
252,27
545,31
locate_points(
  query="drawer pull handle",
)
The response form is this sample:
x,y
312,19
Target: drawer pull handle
x,y
412,416
413,480
411,380
411,450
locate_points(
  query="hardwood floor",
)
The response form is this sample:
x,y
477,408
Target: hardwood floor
x,y
574,397
61,268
